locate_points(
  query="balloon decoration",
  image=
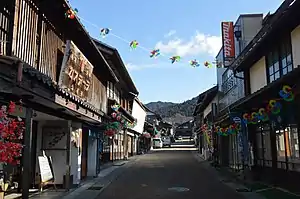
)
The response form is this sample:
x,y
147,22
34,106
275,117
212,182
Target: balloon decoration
x,y
175,59
207,132
273,107
155,53
118,122
134,44
70,14
230,130
194,63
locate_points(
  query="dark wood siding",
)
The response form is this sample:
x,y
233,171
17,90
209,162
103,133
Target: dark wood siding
x,y
6,25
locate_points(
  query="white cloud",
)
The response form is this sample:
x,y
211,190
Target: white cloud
x,y
198,44
131,66
170,33
161,65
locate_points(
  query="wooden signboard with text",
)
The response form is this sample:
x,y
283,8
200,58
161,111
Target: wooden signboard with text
x,y
46,171
76,71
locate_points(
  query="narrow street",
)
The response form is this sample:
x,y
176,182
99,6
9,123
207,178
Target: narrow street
x,y
157,174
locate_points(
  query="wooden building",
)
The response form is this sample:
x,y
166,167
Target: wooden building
x,y
270,62
123,92
50,63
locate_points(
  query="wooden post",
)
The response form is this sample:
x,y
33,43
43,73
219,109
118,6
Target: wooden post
x,y
68,156
125,144
27,154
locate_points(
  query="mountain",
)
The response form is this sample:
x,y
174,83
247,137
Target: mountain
x,y
176,113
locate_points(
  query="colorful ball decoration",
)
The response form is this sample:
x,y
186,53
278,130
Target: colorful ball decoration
x,y
114,115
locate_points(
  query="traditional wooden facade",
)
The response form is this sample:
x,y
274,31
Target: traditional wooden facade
x,y
121,93
269,62
203,116
50,63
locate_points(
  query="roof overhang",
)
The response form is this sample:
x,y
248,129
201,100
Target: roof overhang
x,y
74,30
285,16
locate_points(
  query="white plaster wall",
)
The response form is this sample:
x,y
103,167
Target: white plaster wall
x,y
76,154
59,156
258,75
92,157
140,114
295,39
207,110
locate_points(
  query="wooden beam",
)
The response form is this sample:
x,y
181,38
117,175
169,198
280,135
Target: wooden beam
x,y
26,159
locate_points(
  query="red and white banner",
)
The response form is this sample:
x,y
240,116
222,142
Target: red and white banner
x,y
228,42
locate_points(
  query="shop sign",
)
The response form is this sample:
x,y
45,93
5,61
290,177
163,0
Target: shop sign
x,y
76,71
228,42
83,111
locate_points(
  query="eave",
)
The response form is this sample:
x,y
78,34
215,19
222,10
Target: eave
x,y
277,23
74,30
113,57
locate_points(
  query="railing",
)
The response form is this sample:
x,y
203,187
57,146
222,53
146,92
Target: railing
x,y
228,84
6,26
97,96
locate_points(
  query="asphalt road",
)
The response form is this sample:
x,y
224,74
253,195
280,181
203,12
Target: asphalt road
x,y
157,174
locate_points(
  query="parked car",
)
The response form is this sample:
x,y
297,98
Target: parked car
x,y
157,143
166,141
179,137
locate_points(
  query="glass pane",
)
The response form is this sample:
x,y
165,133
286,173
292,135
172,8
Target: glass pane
x,y
284,71
271,71
283,62
280,145
271,78
290,68
276,67
277,75
289,59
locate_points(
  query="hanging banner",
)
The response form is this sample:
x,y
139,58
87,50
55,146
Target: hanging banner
x,y
228,43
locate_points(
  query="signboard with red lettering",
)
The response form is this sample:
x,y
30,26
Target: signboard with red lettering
x,y
76,71
228,43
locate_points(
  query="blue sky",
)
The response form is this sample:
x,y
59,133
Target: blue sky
x,y
191,30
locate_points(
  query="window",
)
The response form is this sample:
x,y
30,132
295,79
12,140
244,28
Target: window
x,y
228,81
60,57
110,90
279,61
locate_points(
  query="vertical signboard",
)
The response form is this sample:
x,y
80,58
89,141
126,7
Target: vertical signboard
x,y
228,43
76,71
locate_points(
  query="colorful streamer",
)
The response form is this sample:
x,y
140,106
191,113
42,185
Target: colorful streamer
x,y
175,59
273,107
208,65
134,44
155,53
70,14
104,32
194,63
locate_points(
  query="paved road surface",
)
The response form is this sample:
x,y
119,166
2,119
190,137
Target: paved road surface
x,y
152,176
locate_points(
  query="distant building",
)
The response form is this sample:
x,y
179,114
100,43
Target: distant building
x,y
185,129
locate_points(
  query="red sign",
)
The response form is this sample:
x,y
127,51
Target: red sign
x,y
228,42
